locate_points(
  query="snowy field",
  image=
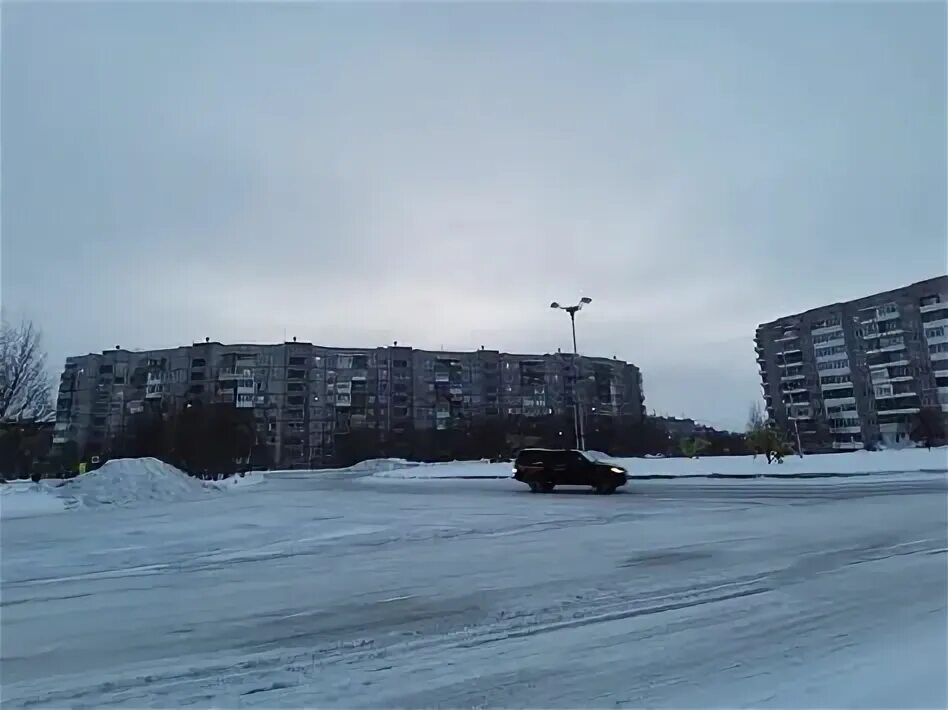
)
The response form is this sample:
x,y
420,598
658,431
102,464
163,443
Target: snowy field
x,y
350,590
856,463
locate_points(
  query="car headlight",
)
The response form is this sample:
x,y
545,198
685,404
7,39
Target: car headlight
x,y
514,470
616,469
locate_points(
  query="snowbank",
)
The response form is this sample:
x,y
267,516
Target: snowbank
x,y
237,481
380,465
817,465
849,463
23,499
453,469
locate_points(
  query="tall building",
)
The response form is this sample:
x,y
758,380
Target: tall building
x,y
307,398
856,374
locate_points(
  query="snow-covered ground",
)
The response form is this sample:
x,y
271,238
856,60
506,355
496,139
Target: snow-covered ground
x,y
850,463
119,482
347,590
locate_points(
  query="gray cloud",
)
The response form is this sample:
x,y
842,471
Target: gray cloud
x,y
437,174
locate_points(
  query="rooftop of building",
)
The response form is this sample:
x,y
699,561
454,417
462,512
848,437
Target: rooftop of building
x,y
936,284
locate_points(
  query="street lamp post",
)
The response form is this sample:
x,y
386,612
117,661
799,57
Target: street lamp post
x,y
577,418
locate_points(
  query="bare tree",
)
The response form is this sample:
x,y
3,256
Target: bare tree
x,y
24,382
755,417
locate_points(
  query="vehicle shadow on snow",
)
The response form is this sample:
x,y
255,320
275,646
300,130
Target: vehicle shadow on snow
x,y
574,491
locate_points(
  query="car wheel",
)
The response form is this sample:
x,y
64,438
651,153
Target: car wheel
x,y
547,487
534,487
605,488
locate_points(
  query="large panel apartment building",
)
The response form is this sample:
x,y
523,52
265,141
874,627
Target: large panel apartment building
x,y
856,374
305,397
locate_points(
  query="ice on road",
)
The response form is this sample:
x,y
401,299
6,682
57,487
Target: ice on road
x,y
360,592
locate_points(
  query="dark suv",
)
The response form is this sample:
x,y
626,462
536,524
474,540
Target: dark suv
x,y
544,469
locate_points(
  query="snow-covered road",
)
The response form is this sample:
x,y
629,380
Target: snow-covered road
x,y
339,591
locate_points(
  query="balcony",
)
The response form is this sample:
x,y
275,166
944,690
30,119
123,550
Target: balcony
x,y
827,329
886,349
233,374
846,430
839,401
835,385
889,363
939,306
896,395
903,410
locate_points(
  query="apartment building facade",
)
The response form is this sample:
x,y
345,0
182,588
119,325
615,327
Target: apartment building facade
x,y
306,398
856,374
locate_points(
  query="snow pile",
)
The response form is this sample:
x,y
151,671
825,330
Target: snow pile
x,y
123,482
23,499
381,465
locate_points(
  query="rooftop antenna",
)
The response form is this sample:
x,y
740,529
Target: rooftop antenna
x,y
207,339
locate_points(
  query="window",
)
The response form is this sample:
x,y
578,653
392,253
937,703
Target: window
x,y
835,379
295,374
198,362
840,409
935,332
833,350
105,369
197,375
297,361
294,387
833,364
938,348
98,421
196,389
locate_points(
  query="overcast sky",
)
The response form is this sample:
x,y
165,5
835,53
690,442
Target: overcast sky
x,y
436,174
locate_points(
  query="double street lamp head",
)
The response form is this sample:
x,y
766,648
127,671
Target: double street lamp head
x,y
582,302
